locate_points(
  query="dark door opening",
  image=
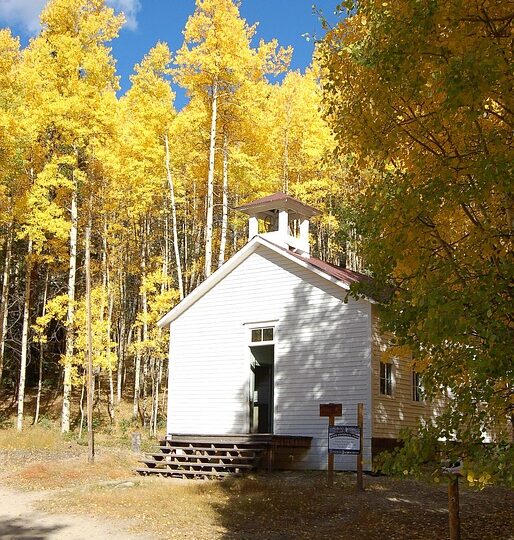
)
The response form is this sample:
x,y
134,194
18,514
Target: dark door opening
x,y
261,389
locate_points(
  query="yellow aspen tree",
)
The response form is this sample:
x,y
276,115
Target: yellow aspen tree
x,y
147,112
215,59
420,95
189,139
70,99
11,137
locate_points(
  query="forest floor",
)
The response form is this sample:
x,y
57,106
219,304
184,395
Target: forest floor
x,y
48,491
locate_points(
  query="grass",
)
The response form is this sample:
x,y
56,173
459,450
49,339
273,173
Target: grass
x,y
32,438
160,507
42,458
72,472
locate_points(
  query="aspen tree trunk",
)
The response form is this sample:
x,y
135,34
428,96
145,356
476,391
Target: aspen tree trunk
x,y
210,183
110,406
196,239
224,220
186,250
4,300
137,376
152,404
121,341
174,220
156,397
144,305
166,247
24,338
145,385
41,355
121,361
81,405
234,230
89,348
65,418
285,171
107,288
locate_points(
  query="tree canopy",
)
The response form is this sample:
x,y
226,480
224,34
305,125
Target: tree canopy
x,y
419,96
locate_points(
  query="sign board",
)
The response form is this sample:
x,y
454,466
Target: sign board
x,y
330,409
343,439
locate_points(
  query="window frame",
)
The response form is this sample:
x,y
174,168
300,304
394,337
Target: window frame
x,y
385,386
261,327
417,387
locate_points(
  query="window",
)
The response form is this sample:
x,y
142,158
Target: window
x,y
417,387
260,335
385,379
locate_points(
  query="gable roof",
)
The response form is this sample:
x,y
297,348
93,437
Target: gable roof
x,y
277,201
337,275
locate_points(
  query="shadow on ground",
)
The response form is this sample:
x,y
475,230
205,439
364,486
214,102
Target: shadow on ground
x,y
299,506
26,529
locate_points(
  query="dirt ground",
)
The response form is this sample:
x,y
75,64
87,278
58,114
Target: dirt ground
x,y
54,494
19,519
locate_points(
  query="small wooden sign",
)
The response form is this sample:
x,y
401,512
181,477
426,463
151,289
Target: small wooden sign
x,y
330,409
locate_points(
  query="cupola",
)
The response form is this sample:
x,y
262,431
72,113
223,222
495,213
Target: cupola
x,y
282,220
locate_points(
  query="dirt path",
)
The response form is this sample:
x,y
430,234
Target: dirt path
x,y
19,519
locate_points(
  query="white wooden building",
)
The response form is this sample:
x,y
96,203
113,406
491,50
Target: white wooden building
x,y
271,335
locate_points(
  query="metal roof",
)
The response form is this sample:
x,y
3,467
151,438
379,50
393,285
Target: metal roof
x,y
278,201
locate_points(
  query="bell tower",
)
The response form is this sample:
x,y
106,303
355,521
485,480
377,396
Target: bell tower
x,y
281,219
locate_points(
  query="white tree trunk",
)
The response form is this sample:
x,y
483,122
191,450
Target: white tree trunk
x,y
285,164
81,405
137,376
156,398
144,306
121,341
65,417
24,339
89,347
4,300
110,301
210,183
224,220
41,355
174,220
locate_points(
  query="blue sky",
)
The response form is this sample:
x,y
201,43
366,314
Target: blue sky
x,y
150,21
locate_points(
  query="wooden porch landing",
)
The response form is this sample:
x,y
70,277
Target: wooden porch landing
x,y
208,456
268,439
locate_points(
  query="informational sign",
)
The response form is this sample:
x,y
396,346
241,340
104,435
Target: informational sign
x,y
343,439
330,409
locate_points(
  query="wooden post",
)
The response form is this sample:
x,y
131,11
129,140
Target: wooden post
x,y
330,411
453,507
330,468
360,422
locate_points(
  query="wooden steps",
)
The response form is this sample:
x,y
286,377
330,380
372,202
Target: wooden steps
x,y
203,459
191,475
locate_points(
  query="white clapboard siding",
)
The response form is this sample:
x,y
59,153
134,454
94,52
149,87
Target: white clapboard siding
x,y
322,355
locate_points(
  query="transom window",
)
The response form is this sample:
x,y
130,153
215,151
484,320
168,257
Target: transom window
x,y
386,379
417,387
262,335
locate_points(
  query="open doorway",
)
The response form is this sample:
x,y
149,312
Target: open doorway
x,y
261,389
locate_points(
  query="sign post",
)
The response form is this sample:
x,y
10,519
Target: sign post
x,y
454,471
330,410
360,421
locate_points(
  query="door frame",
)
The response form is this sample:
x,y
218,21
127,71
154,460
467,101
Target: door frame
x,y
249,362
